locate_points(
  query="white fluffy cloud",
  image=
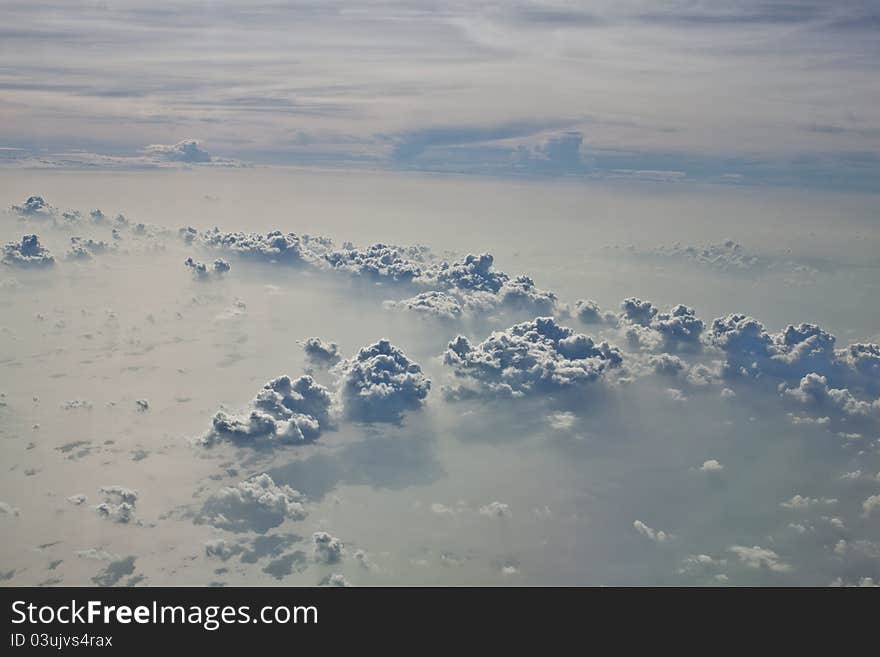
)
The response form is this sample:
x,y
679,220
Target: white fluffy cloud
x,y
528,358
286,411
759,558
380,384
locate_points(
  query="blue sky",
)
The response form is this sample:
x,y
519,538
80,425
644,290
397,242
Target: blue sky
x,y
747,92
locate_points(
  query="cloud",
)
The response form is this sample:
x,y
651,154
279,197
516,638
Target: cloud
x,y
712,465
656,535
496,510
35,207
85,248
871,504
257,504
475,273
558,154
273,247
326,549
335,579
677,330
186,150
528,358
667,364
200,270
320,352
589,312
28,253
434,303
760,558
800,503
119,503
380,262
813,390
285,411
380,384
9,510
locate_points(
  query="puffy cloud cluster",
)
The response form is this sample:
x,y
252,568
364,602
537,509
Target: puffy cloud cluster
x,y
186,150
200,269
28,253
275,246
474,273
434,303
380,384
320,352
257,504
528,358
85,248
677,330
35,207
119,503
760,558
380,262
326,548
814,391
726,256
804,353
589,312
285,411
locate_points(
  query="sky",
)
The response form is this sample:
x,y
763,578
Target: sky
x,y
751,92
437,294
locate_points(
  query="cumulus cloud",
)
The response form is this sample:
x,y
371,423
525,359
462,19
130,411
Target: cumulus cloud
x,y
85,248
34,207
186,150
27,253
200,269
326,549
656,535
380,262
871,504
667,364
589,312
286,411
335,579
496,510
528,358
380,384
119,503
257,504
813,390
648,328
320,352
711,465
751,351
433,303
274,247
760,558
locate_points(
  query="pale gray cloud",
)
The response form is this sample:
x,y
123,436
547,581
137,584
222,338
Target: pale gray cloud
x,y
27,253
257,504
